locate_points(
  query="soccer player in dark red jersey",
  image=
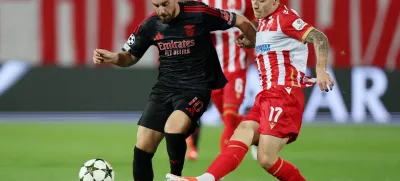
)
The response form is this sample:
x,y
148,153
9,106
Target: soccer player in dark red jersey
x,y
189,70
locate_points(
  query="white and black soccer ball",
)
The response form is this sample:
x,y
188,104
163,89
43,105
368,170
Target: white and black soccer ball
x,y
96,170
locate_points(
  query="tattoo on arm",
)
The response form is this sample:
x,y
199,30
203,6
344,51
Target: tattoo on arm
x,y
319,40
321,46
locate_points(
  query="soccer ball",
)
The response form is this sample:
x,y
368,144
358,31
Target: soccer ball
x,y
96,170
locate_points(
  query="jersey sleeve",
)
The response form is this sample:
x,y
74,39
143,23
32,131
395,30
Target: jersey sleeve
x,y
138,43
217,19
293,26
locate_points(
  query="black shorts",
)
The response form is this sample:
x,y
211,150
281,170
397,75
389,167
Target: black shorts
x,y
162,102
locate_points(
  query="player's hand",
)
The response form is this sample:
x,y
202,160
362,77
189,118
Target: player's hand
x,y
101,56
324,80
243,42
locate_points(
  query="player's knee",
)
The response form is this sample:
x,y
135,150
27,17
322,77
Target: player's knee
x,y
266,160
247,126
178,122
147,139
244,126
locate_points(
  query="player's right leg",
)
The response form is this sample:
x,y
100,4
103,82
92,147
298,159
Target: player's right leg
x,y
268,157
280,125
245,135
149,135
147,142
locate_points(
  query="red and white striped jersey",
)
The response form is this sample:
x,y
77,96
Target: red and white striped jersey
x,y
231,57
281,50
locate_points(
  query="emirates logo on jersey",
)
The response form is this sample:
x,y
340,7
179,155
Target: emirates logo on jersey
x,y
175,48
189,30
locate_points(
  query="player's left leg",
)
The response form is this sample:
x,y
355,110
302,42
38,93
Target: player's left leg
x,y
188,106
230,158
178,124
193,140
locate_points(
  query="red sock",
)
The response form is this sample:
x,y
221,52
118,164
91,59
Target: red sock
x,y
285,171
228,160
230,124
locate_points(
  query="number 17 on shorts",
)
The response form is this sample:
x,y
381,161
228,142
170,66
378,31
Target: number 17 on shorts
x,y
280,119
274,114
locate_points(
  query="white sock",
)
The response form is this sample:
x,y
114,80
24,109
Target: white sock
x,y
206,177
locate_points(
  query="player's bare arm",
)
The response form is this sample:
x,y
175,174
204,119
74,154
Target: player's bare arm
x,y
122,59
247,28
321,46
242,41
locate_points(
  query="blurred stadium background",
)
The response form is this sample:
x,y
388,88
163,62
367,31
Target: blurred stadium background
x,y
58,110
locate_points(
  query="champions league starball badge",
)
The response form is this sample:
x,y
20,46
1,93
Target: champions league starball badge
x,y
131,40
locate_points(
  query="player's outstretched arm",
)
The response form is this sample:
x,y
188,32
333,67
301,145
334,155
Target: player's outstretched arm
x,y
122,59
321,46
243,42
246,27
126,59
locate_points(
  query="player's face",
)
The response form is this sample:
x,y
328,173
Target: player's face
x,y
165,9
263,8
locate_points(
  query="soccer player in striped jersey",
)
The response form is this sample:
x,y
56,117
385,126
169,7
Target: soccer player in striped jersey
x,y
276,117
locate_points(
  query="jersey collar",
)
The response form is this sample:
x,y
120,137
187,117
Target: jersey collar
x,y
277,10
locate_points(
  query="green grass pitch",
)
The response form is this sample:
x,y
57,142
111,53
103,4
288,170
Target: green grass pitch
x,y
55,152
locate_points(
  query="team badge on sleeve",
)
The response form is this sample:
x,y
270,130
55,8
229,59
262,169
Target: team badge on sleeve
x,y
227,16
131,40
299,24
